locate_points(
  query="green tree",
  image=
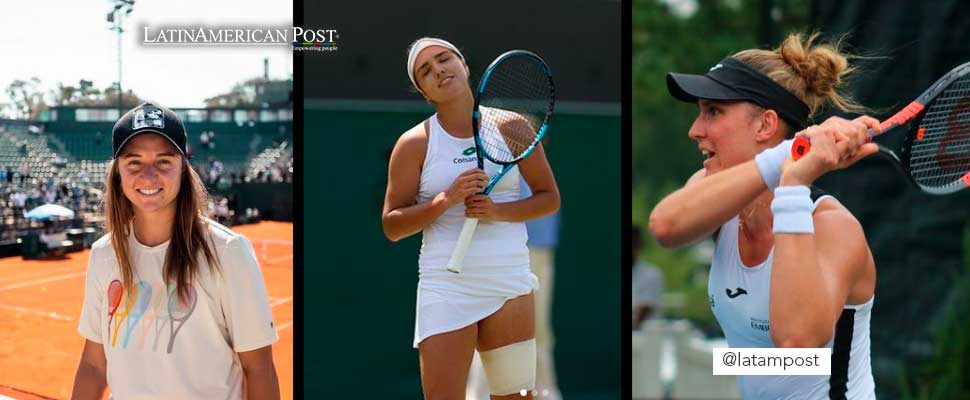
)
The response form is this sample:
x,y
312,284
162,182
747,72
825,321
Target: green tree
x,y
26,97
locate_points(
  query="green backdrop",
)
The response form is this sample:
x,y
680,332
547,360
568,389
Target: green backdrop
x,y
359,288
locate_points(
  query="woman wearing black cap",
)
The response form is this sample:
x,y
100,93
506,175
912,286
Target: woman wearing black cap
x,y
174,303
791,267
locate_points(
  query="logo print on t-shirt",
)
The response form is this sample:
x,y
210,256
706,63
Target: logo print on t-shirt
x,y
147,309
739,292
179,310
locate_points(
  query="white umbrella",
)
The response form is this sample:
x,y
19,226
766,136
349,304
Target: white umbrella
x,y
48,211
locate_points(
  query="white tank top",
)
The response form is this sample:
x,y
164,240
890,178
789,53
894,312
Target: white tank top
x,y
739,299
495,245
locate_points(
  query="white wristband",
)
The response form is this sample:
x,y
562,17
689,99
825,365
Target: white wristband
x,y
769,163
792,209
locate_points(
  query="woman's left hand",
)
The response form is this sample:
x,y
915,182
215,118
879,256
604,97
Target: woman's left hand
x,y
481,206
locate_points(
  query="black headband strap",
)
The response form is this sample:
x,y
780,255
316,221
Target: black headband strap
x,y
761,90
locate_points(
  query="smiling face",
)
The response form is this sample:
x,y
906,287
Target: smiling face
x,y
726,133
440,74
151,174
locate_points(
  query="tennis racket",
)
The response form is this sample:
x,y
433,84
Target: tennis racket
x,y
935,152
179,310
115,290
141,304
513,104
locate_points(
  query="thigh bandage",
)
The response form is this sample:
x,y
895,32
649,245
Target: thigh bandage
x,y
511,368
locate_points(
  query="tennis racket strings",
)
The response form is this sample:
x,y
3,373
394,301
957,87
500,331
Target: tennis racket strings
x,y
940,152
514,106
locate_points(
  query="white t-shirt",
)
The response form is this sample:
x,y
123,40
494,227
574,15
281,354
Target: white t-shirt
x,y
162,347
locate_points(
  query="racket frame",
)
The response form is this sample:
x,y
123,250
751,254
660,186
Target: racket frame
x,y
911,117
468,228
476,113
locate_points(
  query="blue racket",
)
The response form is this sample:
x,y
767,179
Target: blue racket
x,y
513,105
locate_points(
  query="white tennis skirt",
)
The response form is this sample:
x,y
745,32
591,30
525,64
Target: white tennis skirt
x,y
448,301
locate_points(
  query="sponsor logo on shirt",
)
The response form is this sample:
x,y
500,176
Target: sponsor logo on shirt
x,y
736,293
466,159
760,324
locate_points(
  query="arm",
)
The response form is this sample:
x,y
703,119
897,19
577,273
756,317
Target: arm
x,y
402,216
704,204
814,274
695,211
544,200
260,372
91,380
812,278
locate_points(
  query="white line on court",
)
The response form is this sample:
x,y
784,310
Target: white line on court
x,y
279,301
25,310
33,282
28,272
284,326
272,261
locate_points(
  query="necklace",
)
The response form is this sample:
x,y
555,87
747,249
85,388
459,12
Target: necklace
x,y
750,213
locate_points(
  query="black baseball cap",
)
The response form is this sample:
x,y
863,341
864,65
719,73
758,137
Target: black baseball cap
x,y
732,79
148,117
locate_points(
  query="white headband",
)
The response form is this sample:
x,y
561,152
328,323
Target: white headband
x,y
421,44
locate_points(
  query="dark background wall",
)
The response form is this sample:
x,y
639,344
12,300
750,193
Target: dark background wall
x,y
580,40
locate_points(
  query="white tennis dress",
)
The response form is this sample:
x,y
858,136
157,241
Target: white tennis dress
x,y
496,268
739,299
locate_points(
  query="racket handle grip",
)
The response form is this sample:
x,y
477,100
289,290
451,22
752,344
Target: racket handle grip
x,y
461,248
802,145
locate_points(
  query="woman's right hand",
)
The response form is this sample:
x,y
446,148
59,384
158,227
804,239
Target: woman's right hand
x,y
836,144
468,183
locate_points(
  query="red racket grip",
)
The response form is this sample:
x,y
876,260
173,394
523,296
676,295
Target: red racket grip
x,y
802,145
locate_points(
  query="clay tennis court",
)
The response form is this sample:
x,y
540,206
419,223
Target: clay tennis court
x,y
40,302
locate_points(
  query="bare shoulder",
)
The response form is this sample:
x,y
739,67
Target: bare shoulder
x,y
414,140
832,212
838,231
